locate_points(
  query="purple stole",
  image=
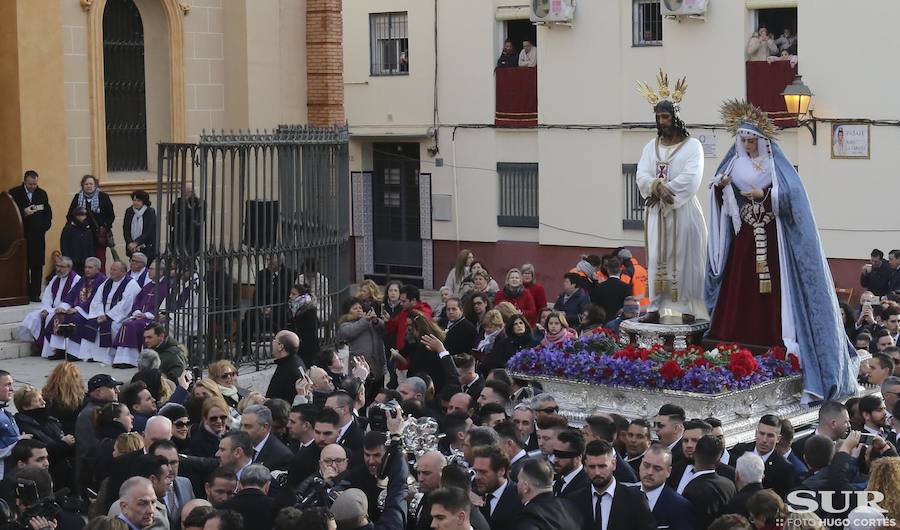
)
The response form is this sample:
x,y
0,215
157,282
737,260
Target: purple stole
x,y
79,295
54,286
105,328
147,301
141,278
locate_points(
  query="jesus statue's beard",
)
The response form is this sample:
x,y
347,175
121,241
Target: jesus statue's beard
x,y
666,132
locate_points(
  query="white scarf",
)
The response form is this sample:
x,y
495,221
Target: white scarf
x,y
137,222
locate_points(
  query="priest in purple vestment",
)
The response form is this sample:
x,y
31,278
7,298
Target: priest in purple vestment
x,y
110,307
36,322
129,341
73,310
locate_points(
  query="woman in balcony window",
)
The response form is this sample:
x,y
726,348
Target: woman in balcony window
x,y
761,45
515,293
767,280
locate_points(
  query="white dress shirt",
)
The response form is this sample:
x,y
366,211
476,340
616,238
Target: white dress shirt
x,y
497,493
528,58
653,495
765,457
688,475
520,455
571,476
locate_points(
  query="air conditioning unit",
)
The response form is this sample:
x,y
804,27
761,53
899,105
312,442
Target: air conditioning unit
x,y
675,8
552,11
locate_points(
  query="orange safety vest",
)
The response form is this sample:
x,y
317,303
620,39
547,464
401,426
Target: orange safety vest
x,y
639,283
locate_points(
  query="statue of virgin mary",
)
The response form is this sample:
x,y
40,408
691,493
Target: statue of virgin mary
x,y
767,281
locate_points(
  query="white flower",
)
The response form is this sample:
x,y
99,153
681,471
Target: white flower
x,y
712,354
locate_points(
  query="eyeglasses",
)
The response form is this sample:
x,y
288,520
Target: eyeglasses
x,y
217,418
183,424
228,375
333,461
548,410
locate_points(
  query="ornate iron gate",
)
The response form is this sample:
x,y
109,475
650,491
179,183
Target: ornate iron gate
x,y
244,217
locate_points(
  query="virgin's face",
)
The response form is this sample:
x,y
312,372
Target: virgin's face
x,y
514,280
751,144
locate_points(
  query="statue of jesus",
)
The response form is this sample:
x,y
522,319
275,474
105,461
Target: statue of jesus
x,y
668,176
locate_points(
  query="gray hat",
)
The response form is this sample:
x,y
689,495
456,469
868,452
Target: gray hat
x,y
625,253
350,506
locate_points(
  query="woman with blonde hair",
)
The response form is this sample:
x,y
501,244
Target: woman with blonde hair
x,y
224,373
884,476
369,293
206,434
507,310
127,442
64,393
492,324
515,293
459,271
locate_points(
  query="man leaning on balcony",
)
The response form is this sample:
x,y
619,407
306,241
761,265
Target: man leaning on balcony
x,y
508,57
528,55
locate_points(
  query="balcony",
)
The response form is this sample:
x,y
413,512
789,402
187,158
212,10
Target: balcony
x,y
765,83
516,100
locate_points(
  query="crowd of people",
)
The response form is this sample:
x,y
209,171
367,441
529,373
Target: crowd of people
x,y
763,47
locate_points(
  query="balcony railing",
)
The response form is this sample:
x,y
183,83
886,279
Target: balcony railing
x,y
517,100
765,83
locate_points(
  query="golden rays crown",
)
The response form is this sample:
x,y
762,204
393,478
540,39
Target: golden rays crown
x,y
737,111
662,93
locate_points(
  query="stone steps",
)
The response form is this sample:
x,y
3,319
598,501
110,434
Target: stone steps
x,y
10,318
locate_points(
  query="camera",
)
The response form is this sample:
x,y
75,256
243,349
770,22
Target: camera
x,y
26,492
197,372
378,414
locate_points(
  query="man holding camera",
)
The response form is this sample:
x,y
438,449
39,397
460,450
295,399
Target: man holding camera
x,y
36,216
876,275
36,507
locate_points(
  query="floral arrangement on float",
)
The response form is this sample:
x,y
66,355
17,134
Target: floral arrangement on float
x,y
599,358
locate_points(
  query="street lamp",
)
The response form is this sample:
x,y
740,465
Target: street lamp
x,y
797,97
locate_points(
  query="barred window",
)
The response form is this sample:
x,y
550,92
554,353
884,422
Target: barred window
x,y
389,43
518,194
633,218
646,23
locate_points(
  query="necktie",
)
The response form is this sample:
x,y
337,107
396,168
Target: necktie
x,y
558,486
598,511
170,502
487,503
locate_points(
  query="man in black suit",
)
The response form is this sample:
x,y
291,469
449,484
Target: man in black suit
x,y
683,471
501,499
273,288
308,427
429,467
34,206
613,505
749,468
288,366
469,380
462,337
708,492
523,419
637,441
350,434
603,427
670,509
572,482
512,447
834,422
779,475
367,476
669,427
271,452
611,294
252,500
543,511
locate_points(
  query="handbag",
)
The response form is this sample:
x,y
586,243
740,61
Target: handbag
x,y
103,236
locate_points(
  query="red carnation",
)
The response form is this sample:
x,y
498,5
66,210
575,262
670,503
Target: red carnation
x,y
779,353
795,362
592,371
670,370
742,364
607,372
701,362
537,366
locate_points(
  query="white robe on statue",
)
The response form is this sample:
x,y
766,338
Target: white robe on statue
x,y
91,349
33,324
682,226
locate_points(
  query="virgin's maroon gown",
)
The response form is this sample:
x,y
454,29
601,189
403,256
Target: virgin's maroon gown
x,y
743,314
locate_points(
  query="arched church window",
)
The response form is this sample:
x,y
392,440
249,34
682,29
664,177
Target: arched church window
x,y
124,87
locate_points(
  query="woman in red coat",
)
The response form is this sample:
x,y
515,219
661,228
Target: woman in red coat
x,y
515,293
536,289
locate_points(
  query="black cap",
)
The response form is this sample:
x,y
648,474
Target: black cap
x,y
102,380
